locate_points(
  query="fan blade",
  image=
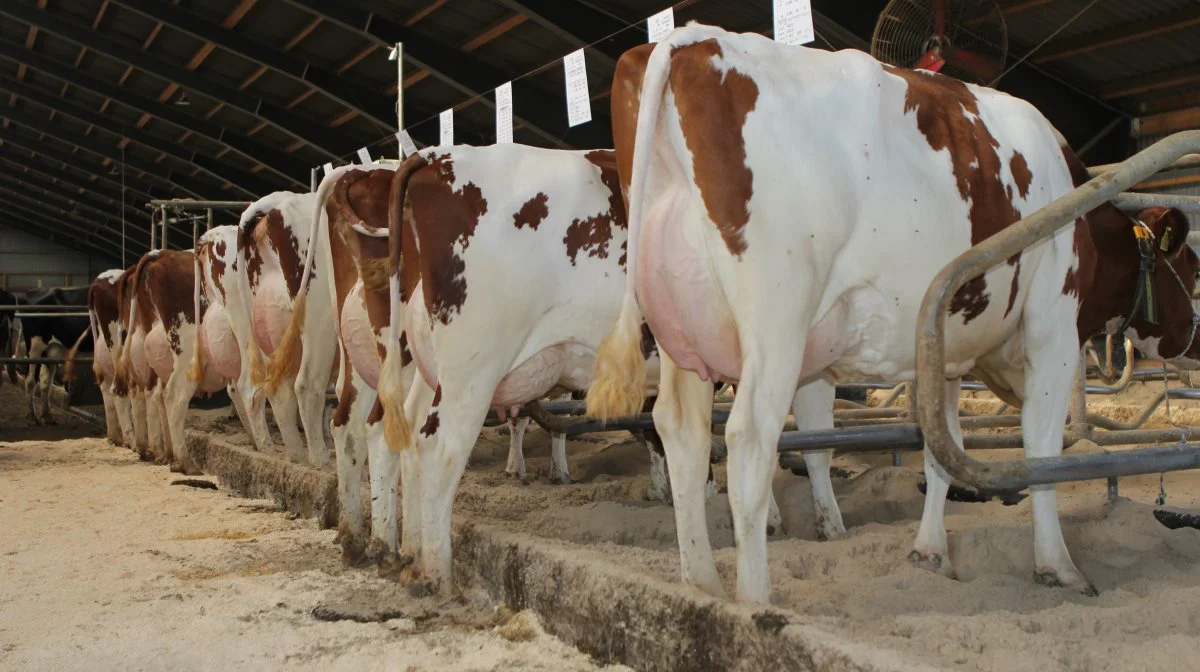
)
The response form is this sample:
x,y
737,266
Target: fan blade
x,y
939,18
983,67
931,61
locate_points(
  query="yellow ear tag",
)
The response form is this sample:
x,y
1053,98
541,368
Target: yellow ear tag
x,y
1166,240
1141,231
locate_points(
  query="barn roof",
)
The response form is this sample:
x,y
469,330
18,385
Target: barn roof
x,y
231,99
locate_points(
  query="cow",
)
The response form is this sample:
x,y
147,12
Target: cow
x,y
505,267
157,353
772,190
47,336
104,321
220,299
272,231
347,258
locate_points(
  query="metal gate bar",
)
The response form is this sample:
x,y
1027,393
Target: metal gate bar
x,y
931,337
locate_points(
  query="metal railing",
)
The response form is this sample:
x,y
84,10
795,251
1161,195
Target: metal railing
x,y
931,341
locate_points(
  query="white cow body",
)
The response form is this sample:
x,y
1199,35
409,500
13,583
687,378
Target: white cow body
x,y
808,264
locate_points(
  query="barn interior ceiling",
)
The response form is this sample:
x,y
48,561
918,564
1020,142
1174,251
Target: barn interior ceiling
x,y
105,104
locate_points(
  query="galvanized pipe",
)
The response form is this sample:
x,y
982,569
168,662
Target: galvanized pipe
x,y
1131,201
187,204
48,314
931,337
17,307
35,361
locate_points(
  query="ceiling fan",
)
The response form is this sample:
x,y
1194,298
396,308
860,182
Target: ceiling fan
x,y
966,39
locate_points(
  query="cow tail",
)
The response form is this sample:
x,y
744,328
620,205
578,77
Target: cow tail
x,y
196,372
284,361
391,390
69,361
124,365
618,386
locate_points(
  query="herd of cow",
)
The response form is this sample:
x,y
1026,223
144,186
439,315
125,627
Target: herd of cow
x,y
788,207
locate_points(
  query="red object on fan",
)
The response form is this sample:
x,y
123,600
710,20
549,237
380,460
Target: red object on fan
x,y
931,61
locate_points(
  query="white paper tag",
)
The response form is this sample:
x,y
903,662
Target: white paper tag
x,y
328,168
504,113
364,156
407,146
661,24
446,119
794,22
579,104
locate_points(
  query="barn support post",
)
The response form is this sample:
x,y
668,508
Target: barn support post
x,y
208,220
153,230
931,337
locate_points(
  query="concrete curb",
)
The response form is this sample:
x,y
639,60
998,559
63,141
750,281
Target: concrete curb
x,y
604,610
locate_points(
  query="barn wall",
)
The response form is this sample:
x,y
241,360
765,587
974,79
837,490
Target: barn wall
x,y
27,261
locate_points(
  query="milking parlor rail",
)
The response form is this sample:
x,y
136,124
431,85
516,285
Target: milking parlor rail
x,y
931,347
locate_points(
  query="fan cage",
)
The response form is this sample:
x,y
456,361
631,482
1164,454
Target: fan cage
x,y
906,29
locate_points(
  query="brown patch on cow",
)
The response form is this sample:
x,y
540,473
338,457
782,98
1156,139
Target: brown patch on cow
x,y
405,354
1020,173
170,281
712,111
437,396
346,396
217,267
971,299
287,249
248,243
1015,286
594,233
376,413
533,212
443,218
626,100
649,346
431,424
947,114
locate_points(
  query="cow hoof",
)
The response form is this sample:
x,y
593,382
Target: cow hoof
x,y
937,563
392,564
515,475
175,468
1079,583
830,532
354,552
421,587
564,479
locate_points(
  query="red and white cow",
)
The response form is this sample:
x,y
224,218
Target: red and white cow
x,y
273,231
341,306
772,190
104,317
507,266
219,297
160,347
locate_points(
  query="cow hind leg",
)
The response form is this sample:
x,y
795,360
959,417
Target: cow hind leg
x,y
160,445
446,438
46,374
112,427
1049,375
140,420
683,419
516,447
385,492
311,381
416,409
287,418
931,549
558,455
812,407
179,391
752,434
355,400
